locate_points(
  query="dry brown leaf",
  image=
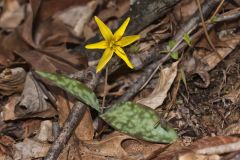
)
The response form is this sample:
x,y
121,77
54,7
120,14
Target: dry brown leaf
x,y
177,149
44,49
156,98
30,149
49,8
45,132
84,130
194,156
8,109
184,10
117,146
12,81
204,61
115,9
30,127
71,151
77,16
12,15
33,101
5,147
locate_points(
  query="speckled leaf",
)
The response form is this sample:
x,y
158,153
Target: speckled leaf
x,y
76,88
138,121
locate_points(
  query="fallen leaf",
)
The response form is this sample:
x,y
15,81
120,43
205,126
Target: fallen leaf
x,y
12,81
85,130
194,156
8,109
33,41
5,147
30,127
166,78
76,17
176,150
33,100
12,15
45,132
29,149
118,146
203,60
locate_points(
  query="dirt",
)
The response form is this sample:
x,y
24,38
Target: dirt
x,y
209,111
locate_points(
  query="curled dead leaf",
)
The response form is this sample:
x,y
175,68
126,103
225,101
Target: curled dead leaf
x,y
12,15
33,100
204,60
12,81
30,149
77,16
118,146
166,78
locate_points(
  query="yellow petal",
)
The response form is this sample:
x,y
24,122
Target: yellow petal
x,y
119,33
106,32
98,45
120,52
127,40
107,55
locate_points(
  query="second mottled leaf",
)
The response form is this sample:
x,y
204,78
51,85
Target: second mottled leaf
x,y
138,121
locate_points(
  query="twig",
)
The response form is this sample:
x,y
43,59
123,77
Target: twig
x,y
218,8
221,149
206,31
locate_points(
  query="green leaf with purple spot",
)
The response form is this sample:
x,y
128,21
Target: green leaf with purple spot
x,y
74,87
138,121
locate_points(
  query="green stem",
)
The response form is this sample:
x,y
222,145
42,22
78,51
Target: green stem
x,y
105,89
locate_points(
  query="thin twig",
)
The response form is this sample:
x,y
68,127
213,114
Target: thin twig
x,y
218,9
205,29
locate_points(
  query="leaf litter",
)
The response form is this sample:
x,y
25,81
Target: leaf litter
x,y
208,106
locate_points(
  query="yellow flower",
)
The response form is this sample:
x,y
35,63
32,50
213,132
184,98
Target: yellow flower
x,y
112,43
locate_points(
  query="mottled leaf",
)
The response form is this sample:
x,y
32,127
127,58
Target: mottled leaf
x,y
139,121
74,87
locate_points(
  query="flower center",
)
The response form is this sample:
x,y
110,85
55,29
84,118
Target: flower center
x,y
112,43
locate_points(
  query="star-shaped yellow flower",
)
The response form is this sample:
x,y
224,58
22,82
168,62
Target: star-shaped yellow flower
x,y
112,43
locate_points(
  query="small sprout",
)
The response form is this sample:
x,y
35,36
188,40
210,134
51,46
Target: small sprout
x,y
174,55
214,19
134,49
171,44
187,39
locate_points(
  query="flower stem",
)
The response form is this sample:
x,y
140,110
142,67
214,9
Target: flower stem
x,y
105,88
